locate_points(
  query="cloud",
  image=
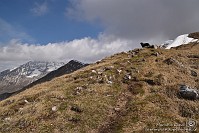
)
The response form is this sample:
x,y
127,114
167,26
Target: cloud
x,y
139,19
40,9
86,50
8,31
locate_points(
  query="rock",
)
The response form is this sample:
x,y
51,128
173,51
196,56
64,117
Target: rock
x,y
80,88
193,73
108,68
7,119
100,81
127,77
117,109
143,60
94,71
119,71
76,109
193,56
26,101
75,120
187,92
169,61
109,82
150,82
155,54
54,108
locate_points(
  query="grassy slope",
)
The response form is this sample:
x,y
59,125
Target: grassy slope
x,y
130,105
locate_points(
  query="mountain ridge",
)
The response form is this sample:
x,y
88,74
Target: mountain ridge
x,y
69,67
15,79
134,91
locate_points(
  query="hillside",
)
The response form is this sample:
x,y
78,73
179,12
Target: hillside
x,y
135,91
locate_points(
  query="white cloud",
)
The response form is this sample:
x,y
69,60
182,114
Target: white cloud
x,y
86,50
40,9
144,19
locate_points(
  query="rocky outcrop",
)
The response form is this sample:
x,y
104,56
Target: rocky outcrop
x,y
187,92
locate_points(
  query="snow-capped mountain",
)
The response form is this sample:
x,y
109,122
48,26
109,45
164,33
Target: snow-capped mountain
x,y
180,40
70,67
15,79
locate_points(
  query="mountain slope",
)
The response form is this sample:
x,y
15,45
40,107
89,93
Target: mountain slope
x,y
135,91
14,80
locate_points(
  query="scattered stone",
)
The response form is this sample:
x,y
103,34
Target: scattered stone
x,y
193,73
108,95
100,81
169,61
119,71
108,68
20,109
127,77
26,101
109,82
22,123
187,92
155,54
75,120
80,88
54,108
94,71
76,109
90,90
143,60
100,71
117,109
193,56
150,82
7,119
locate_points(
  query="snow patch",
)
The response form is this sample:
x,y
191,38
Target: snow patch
x,y
180,40
35,73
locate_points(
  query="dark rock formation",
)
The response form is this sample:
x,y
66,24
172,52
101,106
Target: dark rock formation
x,y
188,93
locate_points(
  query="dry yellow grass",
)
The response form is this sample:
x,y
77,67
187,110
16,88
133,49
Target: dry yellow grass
x,y
127,92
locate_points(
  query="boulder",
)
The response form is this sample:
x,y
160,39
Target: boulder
x,y
187,92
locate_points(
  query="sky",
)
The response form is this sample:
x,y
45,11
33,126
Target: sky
x,y
88,30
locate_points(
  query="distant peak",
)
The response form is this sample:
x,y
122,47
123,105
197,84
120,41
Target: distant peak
x,y
75,61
